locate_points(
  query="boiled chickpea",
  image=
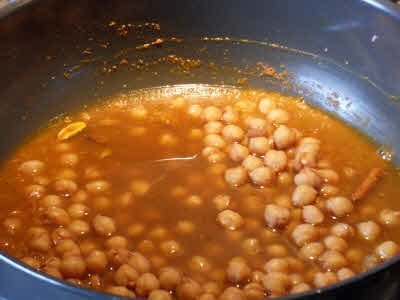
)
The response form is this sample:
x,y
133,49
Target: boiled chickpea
x,y
276,250
304,195
34,192
126,276
307,176
98,186
121,291
146,283
117,242
276,160
171,248
355,255
195,134
332,260
328,176
195,110
230,220
369,262
199,264
67,173
304,234
30,261
160,295
328,191
262,176
284,137
104,225
50,200
41,180
339,206
168,140
333,242
230,116
169,278
212,113
387,250
311,251
276,216
185,227
12,225
259,145
232,133
312,214
118,256
254,291
389,218
67,247
277,265
236,176
69,159
137,131
145,246
342,230
238,271
345,273
40,241
32,167
266,105
251,246
97,261
80,197
79,227
52,272
92,173
58,216
139,262
214,140
188,289
300,288
258,127
252,162
323,279
193,201
78,210
295,264
368,230
238,152
232,293
140,187
276,283
278,116
73,267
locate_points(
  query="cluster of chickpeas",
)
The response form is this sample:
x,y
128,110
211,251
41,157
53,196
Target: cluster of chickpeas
x,y
303,240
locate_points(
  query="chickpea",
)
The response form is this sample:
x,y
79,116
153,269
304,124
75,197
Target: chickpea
x,y
50,200
389,218
285,178
266,105
230,220
195,111
277,265
101,203
73,267
251,246
276,283
332,260
232,133
168,140
118,257
40,241
146,246
126,276
30,261
104,225
188,289
312,215
387,250
97,262
258,127
34,192
369,262
78,210
232,293
169,278
12,225
311,251
328,191
80,197
138,112
300,288
171,248
116,242
79,227
276,160
304,234
195,134
254,291
214,140
32,167
160,295
333,242
259,145
252,162
368,230
193,201
306,155
236,176
69,159
342,230
137,131
212,287
98,186
222,202
121,291
139,262
355,255
212,113
328,176
41,180
52,272
304,195
58,216
278,116
67,247
323,279
238,152
199,264
345,273
230,116
238,271
339,206
262,176
284,137
67,173
276,216
295,264
307,176
185,227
